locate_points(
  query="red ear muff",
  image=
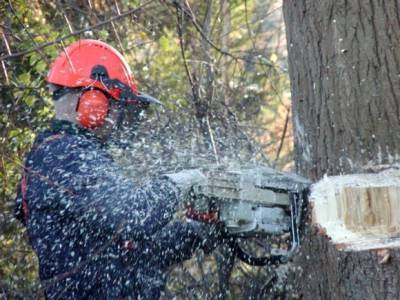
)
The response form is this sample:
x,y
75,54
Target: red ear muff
x,y
92,108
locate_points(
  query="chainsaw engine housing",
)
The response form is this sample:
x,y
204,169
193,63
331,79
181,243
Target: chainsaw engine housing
x,y
255,201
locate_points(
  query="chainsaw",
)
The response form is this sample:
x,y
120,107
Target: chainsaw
x,y
253,202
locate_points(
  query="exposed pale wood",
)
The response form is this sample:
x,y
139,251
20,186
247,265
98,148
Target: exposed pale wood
x,y
360,211
370,209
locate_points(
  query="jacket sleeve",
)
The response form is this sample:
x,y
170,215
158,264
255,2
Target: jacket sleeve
x,y
92,188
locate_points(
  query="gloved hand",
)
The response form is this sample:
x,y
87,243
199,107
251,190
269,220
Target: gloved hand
x,y
186,179
210,235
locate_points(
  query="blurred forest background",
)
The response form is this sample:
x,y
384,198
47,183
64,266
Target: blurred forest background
x,y
219,67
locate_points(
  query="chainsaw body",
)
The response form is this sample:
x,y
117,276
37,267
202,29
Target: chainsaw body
x,y
254,201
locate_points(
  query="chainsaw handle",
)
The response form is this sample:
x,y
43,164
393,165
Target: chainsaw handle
x,y
212,218
252,260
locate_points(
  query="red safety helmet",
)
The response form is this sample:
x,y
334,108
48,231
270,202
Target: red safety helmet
x,y
102,73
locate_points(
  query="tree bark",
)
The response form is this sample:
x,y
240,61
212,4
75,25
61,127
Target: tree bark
x,y
344,62
344,65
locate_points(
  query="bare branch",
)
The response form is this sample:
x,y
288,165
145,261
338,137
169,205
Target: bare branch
x,y
68,23
179,22
118,37
253,42
278,153
188,13
78,32
6,43
212,140
5,72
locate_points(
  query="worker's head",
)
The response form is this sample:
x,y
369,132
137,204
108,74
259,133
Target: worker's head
x,y
92,85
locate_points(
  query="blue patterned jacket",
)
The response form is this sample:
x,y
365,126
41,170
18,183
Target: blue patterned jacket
x,y
96,234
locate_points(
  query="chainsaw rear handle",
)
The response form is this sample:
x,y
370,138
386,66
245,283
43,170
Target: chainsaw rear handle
x,y
296,208
253,260
213,218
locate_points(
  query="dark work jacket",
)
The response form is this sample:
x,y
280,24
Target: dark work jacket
x,y
95,233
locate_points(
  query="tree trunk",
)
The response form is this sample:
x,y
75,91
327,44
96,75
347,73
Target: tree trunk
x,y
344,64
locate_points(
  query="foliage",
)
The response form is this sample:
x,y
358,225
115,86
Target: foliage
x,y
221,75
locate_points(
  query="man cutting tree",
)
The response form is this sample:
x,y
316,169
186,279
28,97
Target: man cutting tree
x,y
97,234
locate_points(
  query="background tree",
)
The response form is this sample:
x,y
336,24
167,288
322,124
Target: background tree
x,y
344,73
